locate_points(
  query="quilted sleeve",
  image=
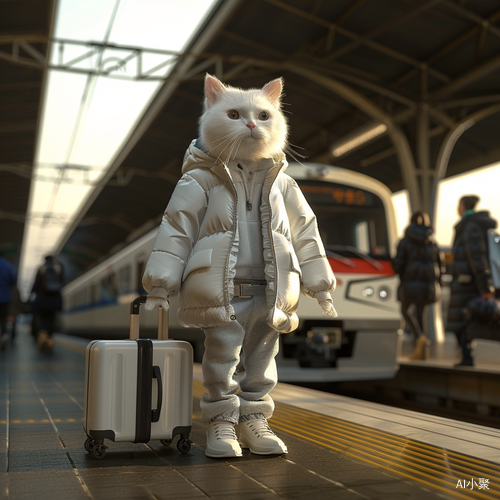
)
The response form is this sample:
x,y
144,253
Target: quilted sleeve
x,y
317,274
176,236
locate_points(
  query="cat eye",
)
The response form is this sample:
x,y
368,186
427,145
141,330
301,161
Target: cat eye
x,y
263,115
233,114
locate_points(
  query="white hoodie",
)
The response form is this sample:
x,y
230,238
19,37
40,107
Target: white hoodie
x,y
196,249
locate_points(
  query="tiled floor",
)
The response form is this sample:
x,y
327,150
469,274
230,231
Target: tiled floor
x,y
42,454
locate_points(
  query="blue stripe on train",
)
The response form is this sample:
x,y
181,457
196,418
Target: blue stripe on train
x,y
111,301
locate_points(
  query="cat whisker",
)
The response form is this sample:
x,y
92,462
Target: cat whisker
x,y
292,152
229,137
233,148
222,139
229,144
237,148
287,149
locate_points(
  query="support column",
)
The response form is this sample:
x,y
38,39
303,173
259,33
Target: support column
x,y
423,155
399,139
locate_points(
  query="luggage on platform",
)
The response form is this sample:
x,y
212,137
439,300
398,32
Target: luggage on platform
x,y
138,389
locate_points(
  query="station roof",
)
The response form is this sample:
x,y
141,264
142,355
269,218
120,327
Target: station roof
x,y
21,90
399,57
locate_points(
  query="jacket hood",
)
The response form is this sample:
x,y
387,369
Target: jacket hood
x,y
482,218
418,233
195,157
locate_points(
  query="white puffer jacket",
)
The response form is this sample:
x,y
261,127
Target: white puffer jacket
x,y
196,247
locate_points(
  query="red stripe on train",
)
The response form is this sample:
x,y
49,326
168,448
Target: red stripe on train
x,y
361,266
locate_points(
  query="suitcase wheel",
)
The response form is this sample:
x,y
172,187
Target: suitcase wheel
x,y
166,442
89,444
99,451
184,445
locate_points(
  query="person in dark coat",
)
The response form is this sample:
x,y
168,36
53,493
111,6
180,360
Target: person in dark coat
x,y
47,287
470,268
418,263
8,279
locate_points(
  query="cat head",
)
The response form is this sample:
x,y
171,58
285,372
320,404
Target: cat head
x,y
243,124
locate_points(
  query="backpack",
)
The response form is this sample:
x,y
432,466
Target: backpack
x,y
52,279
494,256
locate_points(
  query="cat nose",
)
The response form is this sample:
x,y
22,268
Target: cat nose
x,y
250,125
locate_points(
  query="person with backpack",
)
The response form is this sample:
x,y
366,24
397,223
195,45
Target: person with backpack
x,y
470,269
419,266
47,287
8,279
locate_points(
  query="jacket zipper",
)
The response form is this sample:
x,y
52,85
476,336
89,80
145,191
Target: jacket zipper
x,y
245,187
271,241
235,225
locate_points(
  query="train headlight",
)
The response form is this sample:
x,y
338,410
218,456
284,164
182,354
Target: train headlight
x,y
383,293
368,291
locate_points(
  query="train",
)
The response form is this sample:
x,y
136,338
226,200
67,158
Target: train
x,y
357,223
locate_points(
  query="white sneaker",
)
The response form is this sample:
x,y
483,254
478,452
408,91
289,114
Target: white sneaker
x,y
256,435
222,441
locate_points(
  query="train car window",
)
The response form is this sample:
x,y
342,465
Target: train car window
x,y
124,280
94,292
362,237
349,218
140,267
109,289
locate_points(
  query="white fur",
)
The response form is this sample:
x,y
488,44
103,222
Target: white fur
x,y
227,139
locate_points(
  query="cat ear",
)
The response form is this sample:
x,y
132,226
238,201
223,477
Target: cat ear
x,y
214,89
272,90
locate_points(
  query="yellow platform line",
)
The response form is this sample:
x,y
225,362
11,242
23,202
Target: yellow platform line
x,y
404,457
422,453
396,453
42,421
376,457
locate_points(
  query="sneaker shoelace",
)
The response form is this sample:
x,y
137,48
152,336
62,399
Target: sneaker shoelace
x,y
225,430
260,427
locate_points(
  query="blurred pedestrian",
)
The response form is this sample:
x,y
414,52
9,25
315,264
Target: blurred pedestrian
x,y
17,307
470,268
419,266
8,279
47,287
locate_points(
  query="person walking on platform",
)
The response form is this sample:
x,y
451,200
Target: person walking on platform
x,y
418,263
470,268
8,279
47,287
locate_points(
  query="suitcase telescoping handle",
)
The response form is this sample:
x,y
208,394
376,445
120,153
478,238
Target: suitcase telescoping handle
x,y
134,319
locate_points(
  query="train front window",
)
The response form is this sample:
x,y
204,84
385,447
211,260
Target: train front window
x,y
350,220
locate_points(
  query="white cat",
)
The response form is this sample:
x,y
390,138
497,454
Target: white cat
x,y
243,124
239,242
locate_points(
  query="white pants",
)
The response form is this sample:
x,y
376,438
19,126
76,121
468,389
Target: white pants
x,y
240,355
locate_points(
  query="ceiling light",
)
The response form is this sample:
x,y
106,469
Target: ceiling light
x,y
359,138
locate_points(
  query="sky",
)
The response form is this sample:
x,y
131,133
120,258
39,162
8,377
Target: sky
x,y
86,120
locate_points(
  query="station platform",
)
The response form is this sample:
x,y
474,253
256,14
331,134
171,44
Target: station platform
x,y
339,447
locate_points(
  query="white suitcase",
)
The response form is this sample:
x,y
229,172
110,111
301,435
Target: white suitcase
x,y
138,389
